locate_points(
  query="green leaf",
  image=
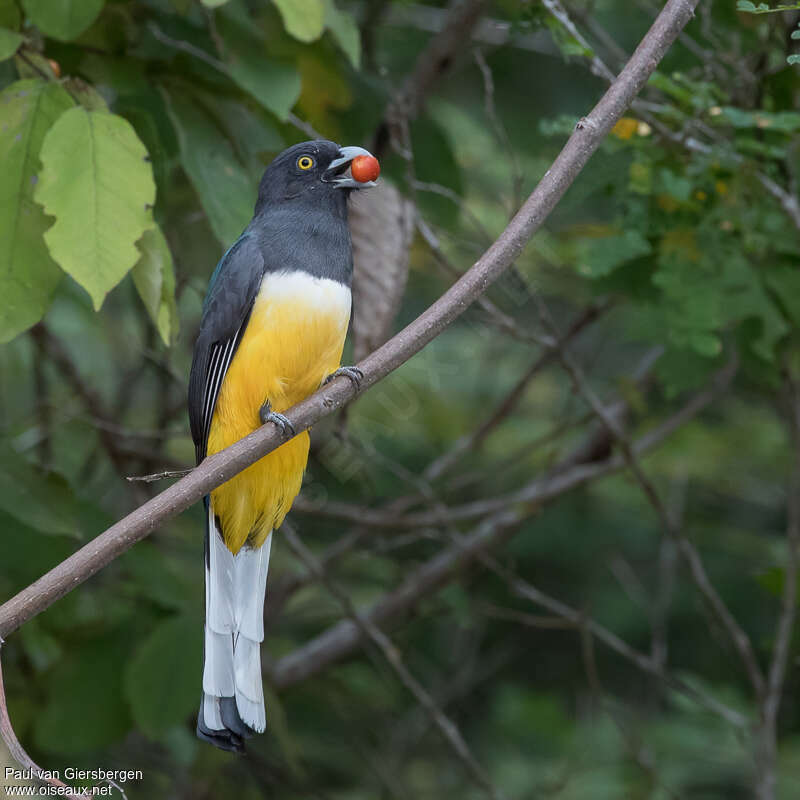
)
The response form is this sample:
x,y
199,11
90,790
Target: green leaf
x,y
154,278
10,16
785,283
213,3
162,680
28,276
40,500
157,576
85,709
98,184
303,19
227,191
41,647
783,121
793,59
274,84
764,8
63,19
597,257
344,29
9,42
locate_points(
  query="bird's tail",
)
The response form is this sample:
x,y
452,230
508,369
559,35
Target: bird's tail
x,y
232,708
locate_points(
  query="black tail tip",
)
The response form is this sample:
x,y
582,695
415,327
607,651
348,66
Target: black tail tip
x,y
224,739
231,737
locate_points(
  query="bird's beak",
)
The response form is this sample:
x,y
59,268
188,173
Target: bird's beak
x,y
337,169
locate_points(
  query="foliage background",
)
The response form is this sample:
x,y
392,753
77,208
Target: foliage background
x,y
133,134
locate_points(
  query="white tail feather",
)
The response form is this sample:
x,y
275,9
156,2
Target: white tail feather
x,y
235,590
220,584
211,715
250,584
218,674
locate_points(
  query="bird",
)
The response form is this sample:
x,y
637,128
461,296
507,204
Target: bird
x,y
272,331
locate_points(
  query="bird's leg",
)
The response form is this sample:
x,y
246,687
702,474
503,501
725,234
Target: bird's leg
x,y
266,414
353,374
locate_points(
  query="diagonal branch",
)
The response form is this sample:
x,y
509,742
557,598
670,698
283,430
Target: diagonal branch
x,y
215,470
341,639
739,638
369,630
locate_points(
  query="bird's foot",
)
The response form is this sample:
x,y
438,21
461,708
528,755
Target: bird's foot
x,y
266,414
353,374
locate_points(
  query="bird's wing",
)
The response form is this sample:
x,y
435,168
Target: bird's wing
x,y
231,292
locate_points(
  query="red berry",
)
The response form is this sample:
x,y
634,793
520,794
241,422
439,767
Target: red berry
x,y
365,168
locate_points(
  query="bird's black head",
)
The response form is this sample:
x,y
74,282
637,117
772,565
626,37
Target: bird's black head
x,y
314,171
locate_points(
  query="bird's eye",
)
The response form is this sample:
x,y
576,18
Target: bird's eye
x,y
305,162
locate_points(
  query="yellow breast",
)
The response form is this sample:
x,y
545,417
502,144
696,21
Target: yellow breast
x,y
293,340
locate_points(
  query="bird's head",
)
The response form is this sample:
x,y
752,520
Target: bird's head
x,y
318,171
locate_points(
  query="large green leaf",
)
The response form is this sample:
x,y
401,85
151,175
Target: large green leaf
x,y
345,30
226,189
154,277
63,19
9,42
162,680
40,500
275,84
599,256
85,708
303,19
98,184
10,16
28,276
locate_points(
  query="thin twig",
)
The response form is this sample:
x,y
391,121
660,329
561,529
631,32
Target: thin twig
x,y
499,128
160,476
342,638
766,753
449,730
474,439
739,638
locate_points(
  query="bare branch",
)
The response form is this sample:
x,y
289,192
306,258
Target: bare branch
x,y
431,64
217,469
766,753
499,526
448,729
473,439
578,619
739,638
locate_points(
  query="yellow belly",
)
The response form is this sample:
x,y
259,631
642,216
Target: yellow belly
x,y
293,340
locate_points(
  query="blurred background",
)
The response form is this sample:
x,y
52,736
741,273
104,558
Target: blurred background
x,y
573,514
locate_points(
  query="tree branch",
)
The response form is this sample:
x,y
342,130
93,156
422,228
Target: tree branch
x,y
222,466
500,524
766,753
367,628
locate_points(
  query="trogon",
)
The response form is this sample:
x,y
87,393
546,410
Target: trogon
x,y
272,331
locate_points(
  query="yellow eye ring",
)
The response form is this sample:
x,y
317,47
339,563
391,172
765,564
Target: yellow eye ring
x,y
305,162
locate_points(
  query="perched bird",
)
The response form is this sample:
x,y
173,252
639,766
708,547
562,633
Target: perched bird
x,y
272,331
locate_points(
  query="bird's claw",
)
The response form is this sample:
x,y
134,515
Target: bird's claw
x,y
266,414
353,374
